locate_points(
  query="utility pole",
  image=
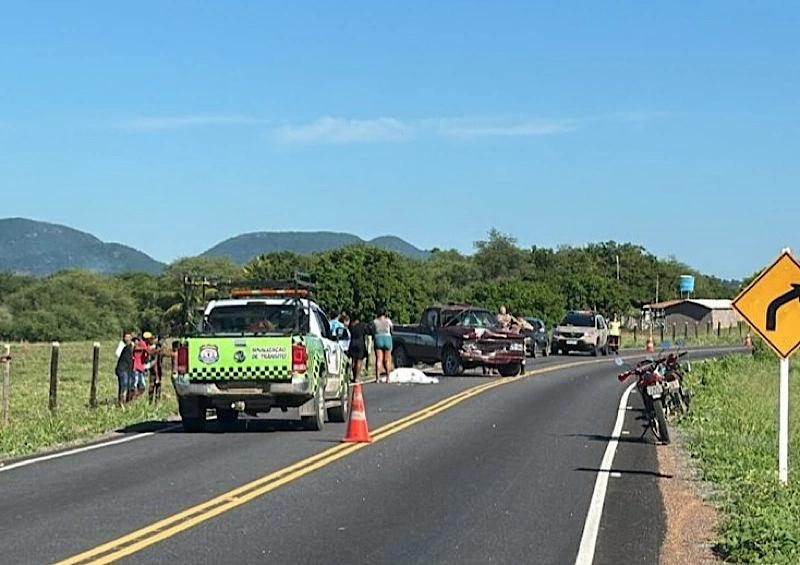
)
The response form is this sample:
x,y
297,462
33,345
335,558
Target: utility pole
x,y
617,258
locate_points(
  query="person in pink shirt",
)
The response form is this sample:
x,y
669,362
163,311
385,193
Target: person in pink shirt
x,y
141,354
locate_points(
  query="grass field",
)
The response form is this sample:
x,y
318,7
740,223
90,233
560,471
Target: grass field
x,y
733,434
31,425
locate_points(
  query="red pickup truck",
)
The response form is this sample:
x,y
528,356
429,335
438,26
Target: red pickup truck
x,y
459,337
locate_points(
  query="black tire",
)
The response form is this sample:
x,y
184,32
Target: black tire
x,y
401,357
316,422
662,429
341,413
451,362
193,414
227,415
510,370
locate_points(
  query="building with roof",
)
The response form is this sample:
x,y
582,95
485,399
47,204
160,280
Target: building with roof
x,y
709,312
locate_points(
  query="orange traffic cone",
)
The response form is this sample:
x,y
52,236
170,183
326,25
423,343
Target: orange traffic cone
x,y
748,341
357,429
650,345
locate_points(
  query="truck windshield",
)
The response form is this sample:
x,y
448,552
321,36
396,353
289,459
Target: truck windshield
x,y
252,318
477,319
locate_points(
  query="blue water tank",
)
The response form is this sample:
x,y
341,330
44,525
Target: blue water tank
x,y
687,283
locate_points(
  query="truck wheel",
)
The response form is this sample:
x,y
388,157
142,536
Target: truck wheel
x,y
316,422
401,357
193,414
510,370
341,413
451,362
227,415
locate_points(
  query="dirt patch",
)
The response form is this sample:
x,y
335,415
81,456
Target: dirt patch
x,y
691,520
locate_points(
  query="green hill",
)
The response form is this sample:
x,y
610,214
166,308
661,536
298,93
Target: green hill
x,y
244,247
40,248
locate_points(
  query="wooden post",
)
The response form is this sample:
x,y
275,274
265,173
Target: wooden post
x,y
708,328
6,381
697,330
719,329
686,330
674,329
95,373
662,333
55,349
634,335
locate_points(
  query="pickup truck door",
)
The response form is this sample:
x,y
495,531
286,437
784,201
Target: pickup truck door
x,y
427,346
333,353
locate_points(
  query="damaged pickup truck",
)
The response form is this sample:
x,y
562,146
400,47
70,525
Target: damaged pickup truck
x,y
459,337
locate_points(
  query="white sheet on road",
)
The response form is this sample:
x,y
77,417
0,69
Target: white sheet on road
x,y
408,375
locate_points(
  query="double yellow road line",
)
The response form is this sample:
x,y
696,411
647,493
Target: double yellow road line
x,y
191,517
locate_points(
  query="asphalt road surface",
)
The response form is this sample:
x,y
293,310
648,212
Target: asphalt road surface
x,y
471,470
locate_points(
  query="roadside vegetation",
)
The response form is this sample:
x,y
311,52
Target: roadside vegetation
x,y
732,432
78,305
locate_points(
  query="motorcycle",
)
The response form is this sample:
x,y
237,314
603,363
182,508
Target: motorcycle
x,y
680,395
652,386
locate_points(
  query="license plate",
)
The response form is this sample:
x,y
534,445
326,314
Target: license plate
x,y
572,342
654,391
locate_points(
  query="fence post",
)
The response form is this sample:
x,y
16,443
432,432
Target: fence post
x,y
739,325
674,329
686,330
55,349
6,362
697,330
662,334
719,329
634,335
708,328
95,372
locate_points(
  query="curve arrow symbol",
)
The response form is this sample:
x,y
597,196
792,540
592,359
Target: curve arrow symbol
x,y
775,305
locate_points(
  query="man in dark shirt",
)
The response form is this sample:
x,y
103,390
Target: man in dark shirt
x,y
124,370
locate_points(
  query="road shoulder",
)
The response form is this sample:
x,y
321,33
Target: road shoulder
x,y
691,519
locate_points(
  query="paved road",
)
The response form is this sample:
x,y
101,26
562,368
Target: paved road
x,y
504,476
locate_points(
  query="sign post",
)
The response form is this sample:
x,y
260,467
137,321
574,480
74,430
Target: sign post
x,y
771,305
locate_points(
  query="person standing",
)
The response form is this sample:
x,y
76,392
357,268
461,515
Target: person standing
x,y
504,318
357,350
383,344
124,369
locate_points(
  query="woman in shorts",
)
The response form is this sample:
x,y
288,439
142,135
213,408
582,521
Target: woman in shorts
x,y
383,344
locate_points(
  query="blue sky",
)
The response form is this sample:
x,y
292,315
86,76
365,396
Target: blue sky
x,y
171,126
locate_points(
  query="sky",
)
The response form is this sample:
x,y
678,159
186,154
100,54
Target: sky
x,y
171,126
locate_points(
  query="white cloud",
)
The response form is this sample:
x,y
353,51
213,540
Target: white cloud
x,y
178,122
466,128
337,130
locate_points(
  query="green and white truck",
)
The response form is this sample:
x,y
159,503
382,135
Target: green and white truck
x,y
259,346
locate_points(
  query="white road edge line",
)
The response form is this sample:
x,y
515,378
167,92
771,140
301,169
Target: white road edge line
x,y
592,525
85,448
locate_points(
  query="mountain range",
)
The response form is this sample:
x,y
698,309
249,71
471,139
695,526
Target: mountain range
x,y
40,248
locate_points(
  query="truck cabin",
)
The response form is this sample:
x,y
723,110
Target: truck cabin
x,y
457,315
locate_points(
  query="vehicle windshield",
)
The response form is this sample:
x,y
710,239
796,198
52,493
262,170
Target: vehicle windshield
x,y
251,318
537,324
476,319
578,319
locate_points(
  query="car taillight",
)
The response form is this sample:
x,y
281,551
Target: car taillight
x,y
299,358
182,360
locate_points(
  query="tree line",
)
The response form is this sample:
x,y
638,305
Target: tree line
x,y
80,305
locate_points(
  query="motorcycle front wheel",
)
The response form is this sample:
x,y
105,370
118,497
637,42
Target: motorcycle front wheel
x,y
662,430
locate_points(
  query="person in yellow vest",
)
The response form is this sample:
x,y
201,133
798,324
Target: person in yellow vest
x,y
614,333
